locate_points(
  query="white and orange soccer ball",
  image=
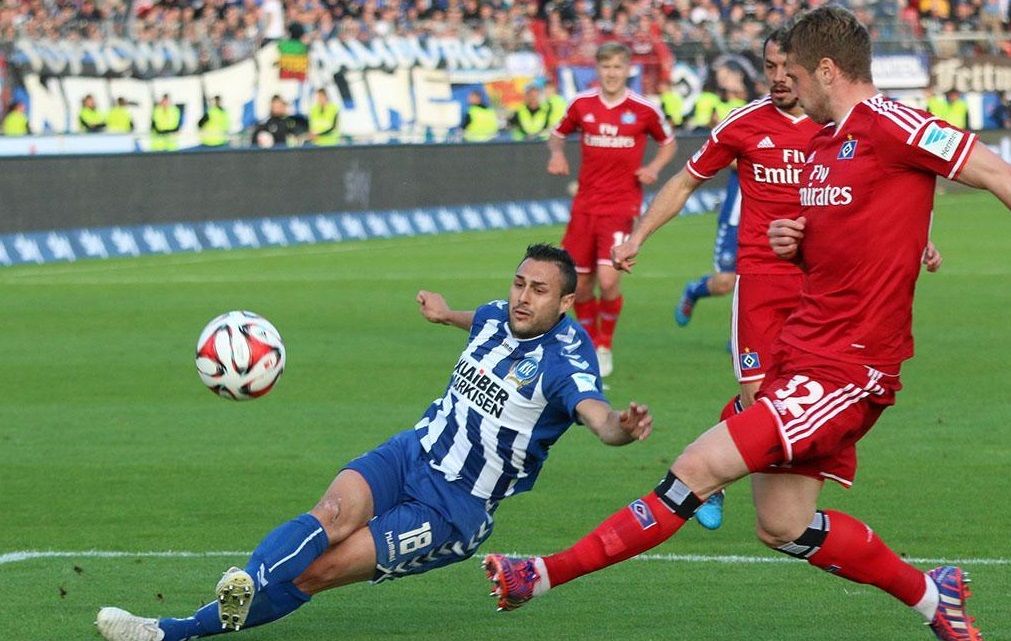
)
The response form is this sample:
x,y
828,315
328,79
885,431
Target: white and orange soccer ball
x,y
240,355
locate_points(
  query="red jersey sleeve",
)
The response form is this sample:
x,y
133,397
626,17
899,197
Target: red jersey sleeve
x,y
916,140
570,122
713,156
658,129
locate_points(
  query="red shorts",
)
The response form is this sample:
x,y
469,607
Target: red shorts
x,y
590,237
810,414
762,303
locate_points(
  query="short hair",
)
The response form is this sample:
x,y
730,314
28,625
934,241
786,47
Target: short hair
x,y
611,49
550,254
777,37
835,33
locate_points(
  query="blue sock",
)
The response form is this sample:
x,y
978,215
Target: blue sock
x,y
697,289
273,602
286,552
281,557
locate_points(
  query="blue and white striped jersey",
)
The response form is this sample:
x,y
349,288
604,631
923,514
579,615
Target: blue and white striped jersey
x,y
507,402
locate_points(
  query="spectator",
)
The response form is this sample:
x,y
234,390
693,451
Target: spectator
x,y
280,129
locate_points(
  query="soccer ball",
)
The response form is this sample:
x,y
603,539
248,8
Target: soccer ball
x,y
240,355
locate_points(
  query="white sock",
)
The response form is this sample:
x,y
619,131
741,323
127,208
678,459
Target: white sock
x,y
928,604
544,584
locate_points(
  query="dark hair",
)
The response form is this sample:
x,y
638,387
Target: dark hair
x,y
777,37
611,49
551,254
835,33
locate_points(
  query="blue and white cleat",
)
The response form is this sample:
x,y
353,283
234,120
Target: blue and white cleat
x,y
951,622
115,624
710,515
685,307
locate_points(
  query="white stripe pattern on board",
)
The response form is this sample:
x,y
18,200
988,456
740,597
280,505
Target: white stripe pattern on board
x,y
29,555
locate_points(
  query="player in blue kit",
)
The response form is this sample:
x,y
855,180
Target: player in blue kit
x,y
721,282
425,498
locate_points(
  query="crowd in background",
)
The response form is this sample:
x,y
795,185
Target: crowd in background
x,y
229,30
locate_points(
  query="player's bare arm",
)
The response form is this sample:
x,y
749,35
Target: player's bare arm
x,y
613,427
433,307
985,170
785,236
648,174
558,164
668,203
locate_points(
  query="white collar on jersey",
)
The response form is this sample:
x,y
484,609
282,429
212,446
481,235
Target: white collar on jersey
x,y
600,96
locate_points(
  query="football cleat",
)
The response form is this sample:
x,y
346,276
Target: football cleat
x,y
710,514
685,307
513,579
951,622
235,593
115,624
606,361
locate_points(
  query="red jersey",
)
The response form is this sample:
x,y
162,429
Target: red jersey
x,y
868,194
613,145
768,145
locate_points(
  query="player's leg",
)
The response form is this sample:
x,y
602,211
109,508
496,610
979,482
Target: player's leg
x,y
610,305
721,281
578,242
707,465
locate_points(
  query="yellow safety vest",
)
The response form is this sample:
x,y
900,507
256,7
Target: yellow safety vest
x,y
90,118
705,106
724,107
483,124
958,114
673,107
533,124
119,121
15,124
214,132
323,119
556,110
163,122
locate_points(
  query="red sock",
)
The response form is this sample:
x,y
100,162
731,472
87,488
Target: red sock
x,y
853,551
586,314
609,312
731,408
632,530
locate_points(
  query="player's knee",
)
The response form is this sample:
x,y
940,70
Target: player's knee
x,y
328,513
721,283
795,539
693,469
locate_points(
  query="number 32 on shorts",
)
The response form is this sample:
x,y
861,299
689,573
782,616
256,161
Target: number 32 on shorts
x,y
800,392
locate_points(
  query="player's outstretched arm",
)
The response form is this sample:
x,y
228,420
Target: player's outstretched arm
x,y
985,170
613,427
435,310
668,203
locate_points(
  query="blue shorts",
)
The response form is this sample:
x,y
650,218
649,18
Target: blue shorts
x,y
422,521
725,248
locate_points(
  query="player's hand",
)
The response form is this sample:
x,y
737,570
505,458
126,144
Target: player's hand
x,y
433,307
785,236
623,255
636,421
646,175
558,165
932,258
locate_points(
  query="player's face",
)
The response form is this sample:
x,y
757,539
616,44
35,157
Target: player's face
x,y
780,85
535,299
810,93
613,74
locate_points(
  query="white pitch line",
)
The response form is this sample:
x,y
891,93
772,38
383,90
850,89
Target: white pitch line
x,y
730,559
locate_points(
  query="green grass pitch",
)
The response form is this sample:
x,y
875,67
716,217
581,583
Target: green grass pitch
x,y
109,442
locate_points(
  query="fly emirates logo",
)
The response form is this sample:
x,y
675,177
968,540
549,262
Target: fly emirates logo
x,y
788,174
608,137
824,194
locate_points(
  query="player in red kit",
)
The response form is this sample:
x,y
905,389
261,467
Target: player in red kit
x,y
614,122
865,200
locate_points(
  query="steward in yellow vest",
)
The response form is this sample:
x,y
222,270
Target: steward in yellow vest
x,y
15,123
214,125
324,121
119,120
480,123
165,122
532,120
672,105
89,118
